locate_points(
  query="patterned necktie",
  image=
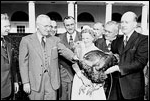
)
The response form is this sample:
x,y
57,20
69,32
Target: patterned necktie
x,y
43,43
125,41
71,43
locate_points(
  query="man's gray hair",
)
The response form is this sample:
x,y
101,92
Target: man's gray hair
x,y
4,16
40,18
115,24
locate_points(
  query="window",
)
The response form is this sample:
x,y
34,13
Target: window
x,y
20,29
85,17
20,16
55,16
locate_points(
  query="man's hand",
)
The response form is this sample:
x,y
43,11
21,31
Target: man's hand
x,y
64,51
26,88
16,87
112,69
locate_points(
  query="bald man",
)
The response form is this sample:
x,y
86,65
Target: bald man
x,y
132,48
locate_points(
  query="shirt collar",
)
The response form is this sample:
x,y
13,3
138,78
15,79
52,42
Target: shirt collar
x,y
128,35
73,36
40,37
108,42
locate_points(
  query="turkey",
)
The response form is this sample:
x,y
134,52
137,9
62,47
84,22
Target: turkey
x,y
95,63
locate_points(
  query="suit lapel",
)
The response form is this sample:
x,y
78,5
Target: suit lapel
x,y
49,45
3,53
121,45
36,45
130,42
9,51
105,45
65,40
8,48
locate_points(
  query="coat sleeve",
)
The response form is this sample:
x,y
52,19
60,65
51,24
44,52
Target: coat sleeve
x,y
64,51
14,67
23,60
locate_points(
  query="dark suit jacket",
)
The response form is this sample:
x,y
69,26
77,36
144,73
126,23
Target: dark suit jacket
x,y
8,74
66,69
133,58
101,44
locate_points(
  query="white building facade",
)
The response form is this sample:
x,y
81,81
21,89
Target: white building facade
x,y
84,12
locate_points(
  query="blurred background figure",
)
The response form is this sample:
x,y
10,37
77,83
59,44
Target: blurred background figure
x,y
85,27
53,26
98,29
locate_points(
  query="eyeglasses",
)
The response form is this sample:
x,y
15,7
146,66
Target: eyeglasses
x,y
45,26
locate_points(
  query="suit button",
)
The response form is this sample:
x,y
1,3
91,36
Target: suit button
x,y
40,74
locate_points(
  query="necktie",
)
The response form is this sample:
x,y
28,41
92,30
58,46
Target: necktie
x,y
71,42
43,43
125,41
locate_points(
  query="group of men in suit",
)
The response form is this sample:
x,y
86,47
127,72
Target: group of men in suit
x,y
45,60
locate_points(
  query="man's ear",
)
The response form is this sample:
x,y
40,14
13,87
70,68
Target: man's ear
x,y
37,26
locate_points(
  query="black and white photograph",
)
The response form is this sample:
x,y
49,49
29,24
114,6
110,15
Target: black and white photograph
x,y
74,50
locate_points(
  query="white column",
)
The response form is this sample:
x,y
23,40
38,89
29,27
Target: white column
x,y
108,15
76,14
31,5
71,11
144,21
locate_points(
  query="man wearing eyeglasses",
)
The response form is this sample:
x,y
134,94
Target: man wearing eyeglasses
x,y
54,29
98,28
111,30
38,62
